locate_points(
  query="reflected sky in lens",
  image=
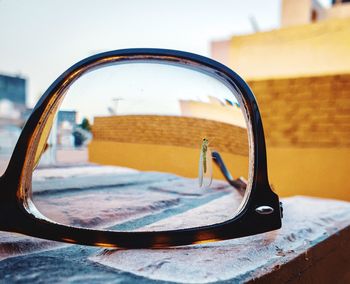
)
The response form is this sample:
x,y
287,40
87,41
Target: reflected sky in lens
x,y
141,88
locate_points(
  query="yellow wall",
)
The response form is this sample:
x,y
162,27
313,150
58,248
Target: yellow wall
x,y
322,172
307,112
163,158
307,129
300,76
311,49
171,130
167,143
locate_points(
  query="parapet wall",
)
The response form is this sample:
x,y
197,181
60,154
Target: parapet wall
x,y
171,131
307,129
305,112
167,143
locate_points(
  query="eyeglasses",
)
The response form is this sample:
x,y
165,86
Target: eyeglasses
x,y
201,112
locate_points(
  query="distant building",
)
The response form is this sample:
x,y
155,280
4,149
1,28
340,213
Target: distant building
x,y
307,44
13,99
12,108
69,116
13,89
300,12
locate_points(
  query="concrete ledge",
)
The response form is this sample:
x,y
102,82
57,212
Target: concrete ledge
x,y
313,246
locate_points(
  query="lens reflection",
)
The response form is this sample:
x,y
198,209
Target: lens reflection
x,y
144,146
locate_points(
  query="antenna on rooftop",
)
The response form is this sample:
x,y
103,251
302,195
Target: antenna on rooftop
x,y
254,24
116,103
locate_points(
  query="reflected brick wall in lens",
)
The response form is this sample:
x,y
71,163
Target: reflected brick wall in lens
x,y
167,144
172,131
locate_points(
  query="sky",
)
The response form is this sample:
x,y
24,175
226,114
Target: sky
x,y
142,88
40,39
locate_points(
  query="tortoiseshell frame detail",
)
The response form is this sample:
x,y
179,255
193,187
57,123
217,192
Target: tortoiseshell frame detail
x,y
18,214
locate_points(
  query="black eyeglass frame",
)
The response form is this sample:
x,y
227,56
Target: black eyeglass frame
x,y
261,212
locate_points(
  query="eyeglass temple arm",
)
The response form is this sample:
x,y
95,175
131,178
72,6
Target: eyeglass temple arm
x,y
238,183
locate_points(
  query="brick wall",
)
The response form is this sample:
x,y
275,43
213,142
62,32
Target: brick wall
x,y
305,112
172,131
307,129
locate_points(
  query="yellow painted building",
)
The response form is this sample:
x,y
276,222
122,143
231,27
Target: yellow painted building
x,y
300,75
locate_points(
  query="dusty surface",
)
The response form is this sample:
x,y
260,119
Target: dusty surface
x,y
313,229
125,199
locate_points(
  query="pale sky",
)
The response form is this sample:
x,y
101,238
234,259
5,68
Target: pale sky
x,y
41,39
142,88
